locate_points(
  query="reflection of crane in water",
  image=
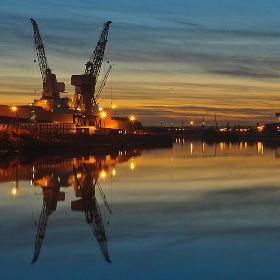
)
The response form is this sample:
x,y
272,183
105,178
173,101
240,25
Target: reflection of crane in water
x,y
216,123
86,175
51,196
51,176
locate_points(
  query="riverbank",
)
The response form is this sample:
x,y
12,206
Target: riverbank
x,y
212,136
12,143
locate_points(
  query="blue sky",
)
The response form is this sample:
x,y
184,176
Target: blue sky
x,y
173,61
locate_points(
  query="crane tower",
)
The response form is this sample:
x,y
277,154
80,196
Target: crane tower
x,y
85,84
51,88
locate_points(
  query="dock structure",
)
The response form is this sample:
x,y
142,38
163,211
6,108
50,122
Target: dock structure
x,y
49,128
39,129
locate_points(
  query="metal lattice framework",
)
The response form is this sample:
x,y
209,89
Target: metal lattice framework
x,y
87,98
86,184
94,64
40,231
40,51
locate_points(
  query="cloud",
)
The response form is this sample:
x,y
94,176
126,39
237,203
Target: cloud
x,y
162,54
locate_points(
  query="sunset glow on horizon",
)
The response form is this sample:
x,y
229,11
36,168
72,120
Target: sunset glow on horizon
x,y
176,63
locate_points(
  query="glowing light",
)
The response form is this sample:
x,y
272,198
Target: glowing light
x,y
260,127
113,106
260,148
222,145
14,108
132,165
132,118
114,172
14,191
191,122
91,159
103,174
103,114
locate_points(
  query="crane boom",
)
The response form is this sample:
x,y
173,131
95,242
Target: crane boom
x,y
51,88
40,51
98,229
86,185
103,83
93,66
104,198
51,196
85,84
40,231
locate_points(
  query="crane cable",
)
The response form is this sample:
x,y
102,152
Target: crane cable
x,y
108,60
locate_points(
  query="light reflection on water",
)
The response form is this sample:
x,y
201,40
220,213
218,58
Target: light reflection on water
x,y
196,211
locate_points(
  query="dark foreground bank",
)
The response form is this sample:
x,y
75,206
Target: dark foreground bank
x,y
212,136
27,144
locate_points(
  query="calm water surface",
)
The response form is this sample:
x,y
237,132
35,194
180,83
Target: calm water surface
x,y
192,212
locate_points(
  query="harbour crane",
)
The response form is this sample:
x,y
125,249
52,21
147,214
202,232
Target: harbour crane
x,y
51,196
51,88
102,85
85,184
85,84
86,179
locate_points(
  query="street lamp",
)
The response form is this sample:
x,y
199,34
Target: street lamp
x,y
14,110
113,105
103,115
132,121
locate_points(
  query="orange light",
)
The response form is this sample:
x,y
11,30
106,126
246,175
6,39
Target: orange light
x,y
14,108
114,172
103,114
103,174
14,191
132,118
132,165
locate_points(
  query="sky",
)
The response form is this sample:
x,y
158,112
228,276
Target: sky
x,y
174,61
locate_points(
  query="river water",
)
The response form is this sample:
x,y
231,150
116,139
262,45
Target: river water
x,y
195,211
